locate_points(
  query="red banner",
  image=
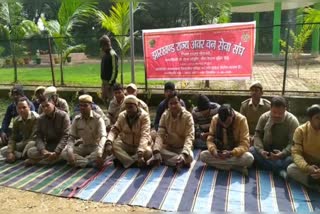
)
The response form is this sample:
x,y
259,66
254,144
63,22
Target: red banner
x,y
220,51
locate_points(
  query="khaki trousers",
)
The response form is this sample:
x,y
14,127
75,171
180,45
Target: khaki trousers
x,y
127,154
21,149
244,160
170,156
300,176
83,154
34,154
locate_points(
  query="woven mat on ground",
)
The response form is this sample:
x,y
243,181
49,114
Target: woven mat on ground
x,y
199,188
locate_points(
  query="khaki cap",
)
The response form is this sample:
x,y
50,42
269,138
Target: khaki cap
x,y
133,86
256,84
131,99
50,91
85,98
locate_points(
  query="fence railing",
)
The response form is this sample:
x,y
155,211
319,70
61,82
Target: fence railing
x,y
39,61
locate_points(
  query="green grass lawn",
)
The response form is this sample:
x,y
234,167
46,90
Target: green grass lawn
x,y
74,75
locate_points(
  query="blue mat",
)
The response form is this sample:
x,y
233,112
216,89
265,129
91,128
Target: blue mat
x,y
199,188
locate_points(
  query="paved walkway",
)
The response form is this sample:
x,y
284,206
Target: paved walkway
x,y
270,74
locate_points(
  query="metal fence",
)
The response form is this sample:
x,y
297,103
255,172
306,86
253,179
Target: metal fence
x,y
25,61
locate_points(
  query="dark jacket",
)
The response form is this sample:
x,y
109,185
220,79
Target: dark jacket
x,y
109,67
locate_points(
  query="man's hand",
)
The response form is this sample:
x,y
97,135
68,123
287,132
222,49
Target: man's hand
x,y
265,154
313,169
225,154
52,156
204,135
181,160
141,162
108,148
213,152
45,153
276,155
10,157
155,160
4,138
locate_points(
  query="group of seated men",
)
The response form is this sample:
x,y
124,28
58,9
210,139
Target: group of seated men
x,y
263,133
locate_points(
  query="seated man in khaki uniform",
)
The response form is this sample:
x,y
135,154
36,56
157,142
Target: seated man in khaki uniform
x,y
23,132
87,137
306,151
52,134
254,107
228,141
115,104
59,102
133,90
174,140
129,138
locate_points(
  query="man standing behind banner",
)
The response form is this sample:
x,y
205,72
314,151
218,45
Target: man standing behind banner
x,y
109,68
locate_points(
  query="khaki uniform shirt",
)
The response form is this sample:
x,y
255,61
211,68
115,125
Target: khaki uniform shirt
x,y
176,133
253,113
91,130
141,104
270,136
23,131
306,148
240,135
114,110
137,136
60,104
53,132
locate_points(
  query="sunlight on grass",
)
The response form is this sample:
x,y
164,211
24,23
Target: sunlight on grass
x,y
74,75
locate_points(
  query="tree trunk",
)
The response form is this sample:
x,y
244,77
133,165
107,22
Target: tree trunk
x,y
51,65
61,70
121,60
207,84
14,61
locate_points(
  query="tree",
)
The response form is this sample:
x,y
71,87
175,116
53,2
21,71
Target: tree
x,y
14,27
299,39
212,12
118,23
71,13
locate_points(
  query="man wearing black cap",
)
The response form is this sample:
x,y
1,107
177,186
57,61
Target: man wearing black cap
x,y
169,89
15,94
202,115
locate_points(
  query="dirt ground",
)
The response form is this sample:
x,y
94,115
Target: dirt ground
x,y
19,201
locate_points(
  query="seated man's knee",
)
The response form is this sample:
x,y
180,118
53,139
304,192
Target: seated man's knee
x,y
33,152
205,155
247,159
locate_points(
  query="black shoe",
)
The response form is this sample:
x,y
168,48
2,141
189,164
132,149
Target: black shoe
x,y
117,163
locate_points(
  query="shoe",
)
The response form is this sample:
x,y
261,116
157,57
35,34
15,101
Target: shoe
x,y
283,174
117,163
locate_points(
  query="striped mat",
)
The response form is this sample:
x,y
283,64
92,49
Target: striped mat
x,y
199,188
